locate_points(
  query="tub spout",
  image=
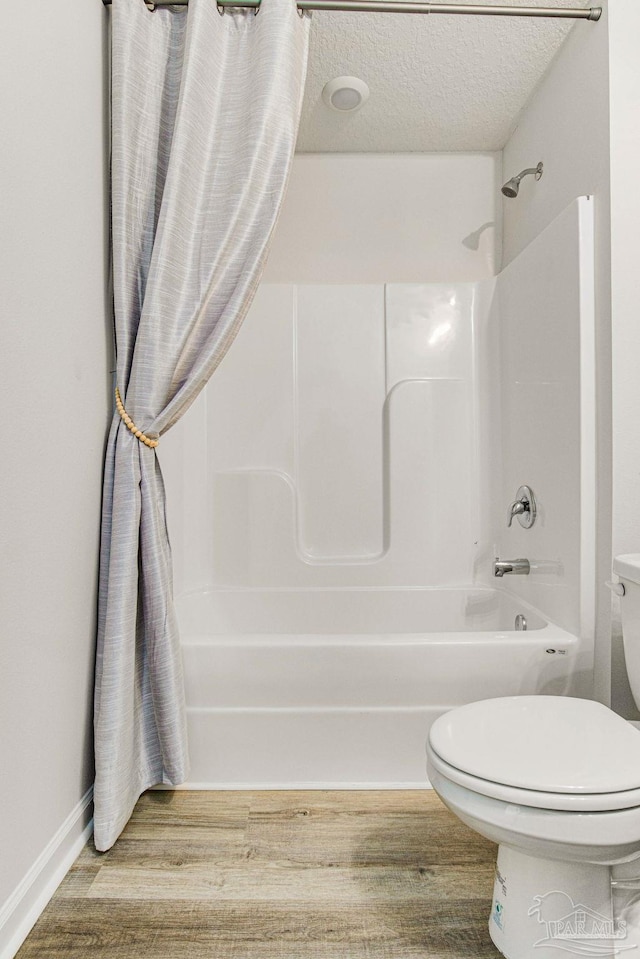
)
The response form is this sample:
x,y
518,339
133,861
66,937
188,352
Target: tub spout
x,y
515,567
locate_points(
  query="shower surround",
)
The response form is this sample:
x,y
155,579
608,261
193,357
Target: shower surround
x,y
337,496
321,429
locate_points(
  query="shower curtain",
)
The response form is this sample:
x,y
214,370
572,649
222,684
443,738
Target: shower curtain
x,y
205,115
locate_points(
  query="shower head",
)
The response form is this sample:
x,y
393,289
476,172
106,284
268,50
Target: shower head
x,y
512,186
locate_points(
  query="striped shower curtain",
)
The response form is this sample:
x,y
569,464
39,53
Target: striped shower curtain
x,y
205,115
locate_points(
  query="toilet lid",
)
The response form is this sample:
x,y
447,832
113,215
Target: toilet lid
x,y
547,743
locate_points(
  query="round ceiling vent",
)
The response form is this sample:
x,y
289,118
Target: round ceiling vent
x,y
345,94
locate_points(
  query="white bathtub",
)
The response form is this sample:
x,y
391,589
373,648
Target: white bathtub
x,y
338,687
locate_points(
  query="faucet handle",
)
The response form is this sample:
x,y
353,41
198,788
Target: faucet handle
x,y
524,507
516,509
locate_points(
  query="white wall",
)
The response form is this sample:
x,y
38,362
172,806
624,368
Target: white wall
x,y
566,125
624,29
388,218
54,389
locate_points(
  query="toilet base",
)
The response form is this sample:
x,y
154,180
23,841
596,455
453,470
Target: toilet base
x,y
544,908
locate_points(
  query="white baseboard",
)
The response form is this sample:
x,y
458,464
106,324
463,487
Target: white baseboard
x,y
23,908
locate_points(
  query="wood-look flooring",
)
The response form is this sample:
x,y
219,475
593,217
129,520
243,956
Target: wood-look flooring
x,y
277,875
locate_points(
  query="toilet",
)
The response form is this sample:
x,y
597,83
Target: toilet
x,y
555,781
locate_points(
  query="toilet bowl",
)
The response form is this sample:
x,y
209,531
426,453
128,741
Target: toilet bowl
x,y
555,782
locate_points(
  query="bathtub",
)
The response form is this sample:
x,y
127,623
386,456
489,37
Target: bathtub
x,y
338,687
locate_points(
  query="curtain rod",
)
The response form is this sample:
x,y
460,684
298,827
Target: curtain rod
x,y
391,6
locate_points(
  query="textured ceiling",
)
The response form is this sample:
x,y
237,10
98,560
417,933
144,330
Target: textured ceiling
x,y
438,83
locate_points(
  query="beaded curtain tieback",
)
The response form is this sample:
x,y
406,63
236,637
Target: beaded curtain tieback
x,y
128,422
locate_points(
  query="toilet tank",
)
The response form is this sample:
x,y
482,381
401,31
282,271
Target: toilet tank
x,y
628,569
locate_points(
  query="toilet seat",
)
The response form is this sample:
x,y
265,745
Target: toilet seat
x,y
548,752
537,799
